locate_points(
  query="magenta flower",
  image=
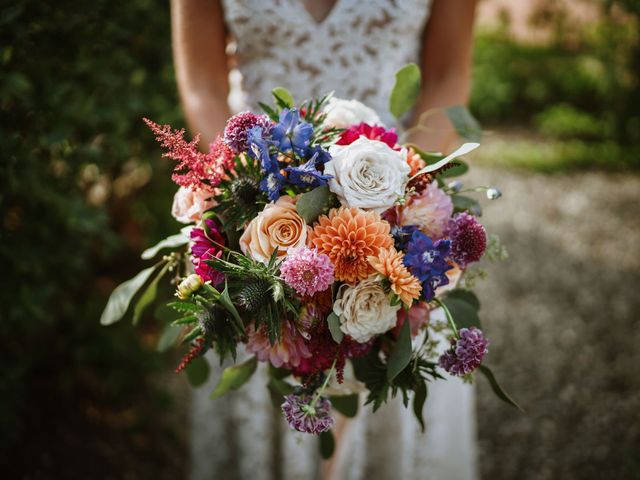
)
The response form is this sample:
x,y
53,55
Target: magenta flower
x,y
307,418
468,239
372,132
307,271
288,352
206,243
238,126
466,353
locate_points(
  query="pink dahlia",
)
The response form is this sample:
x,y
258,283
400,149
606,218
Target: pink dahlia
x,y
372,132
235,133
430,211
303,415
206,243
466,353
307,271
468,239
288,352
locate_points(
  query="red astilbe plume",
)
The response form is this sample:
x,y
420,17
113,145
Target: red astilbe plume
x,y
194,169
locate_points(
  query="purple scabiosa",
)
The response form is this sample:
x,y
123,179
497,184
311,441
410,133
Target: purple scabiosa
x,y
237,129
206,243
427,260
307,271
290,133
468,239
466,352
303,415
307,175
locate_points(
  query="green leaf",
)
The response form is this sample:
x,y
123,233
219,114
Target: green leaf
x,y
184,306
462,203
169,338
406,90
197,371
347,405
283,97
401,354
497,389
312,204
464,122
185,320
327,444
463,313
234,377
226,302
148,296
419,398
271,113
466,296
173,241
334,327
121,297
278,373
460,169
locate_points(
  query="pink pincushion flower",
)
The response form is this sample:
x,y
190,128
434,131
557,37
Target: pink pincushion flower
x,y
372,132
307,271
287,353
431,211
305,415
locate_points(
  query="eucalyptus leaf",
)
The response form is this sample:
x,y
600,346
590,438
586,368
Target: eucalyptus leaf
x,y
327,444
464,315
347,405
464,122
419,398
121,297
148,296
497,389
197,371
462,203
169,338
172,241
234,377
312,204
401,354
283,97
334,327
405,90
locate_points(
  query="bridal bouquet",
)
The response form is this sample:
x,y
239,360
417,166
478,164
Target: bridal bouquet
x,y
322,244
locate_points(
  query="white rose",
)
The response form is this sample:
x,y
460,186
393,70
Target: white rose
x,y
365,309
345,113
367,174
188,205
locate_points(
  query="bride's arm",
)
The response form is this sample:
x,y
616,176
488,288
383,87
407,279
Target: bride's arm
x,y
201,64
446,70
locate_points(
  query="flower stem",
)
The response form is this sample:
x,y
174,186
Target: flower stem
x,y
447,314
324,385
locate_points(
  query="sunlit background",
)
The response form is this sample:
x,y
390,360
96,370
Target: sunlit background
x,y
556,87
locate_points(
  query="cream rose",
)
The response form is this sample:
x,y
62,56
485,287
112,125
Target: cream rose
x,y
345,113
367,174
189,205
365,309
277,226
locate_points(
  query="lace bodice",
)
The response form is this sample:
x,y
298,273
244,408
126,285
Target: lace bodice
x,y
354,51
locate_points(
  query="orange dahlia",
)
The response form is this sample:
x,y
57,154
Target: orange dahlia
x,y
389,264
349,236
415,161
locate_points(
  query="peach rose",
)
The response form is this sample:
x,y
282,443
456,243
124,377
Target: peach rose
x,y
189,205
277,226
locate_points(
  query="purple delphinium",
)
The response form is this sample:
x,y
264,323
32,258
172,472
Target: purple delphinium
x,y
304,417
237,129
307,175
290,133
466,353
427,260
402,234
468,239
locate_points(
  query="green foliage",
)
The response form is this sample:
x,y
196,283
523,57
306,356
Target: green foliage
x,y
197,371
497,389
464,123
401,353
121,297
347,405
283,97
405,90
334,327
314,203
327,444
234,377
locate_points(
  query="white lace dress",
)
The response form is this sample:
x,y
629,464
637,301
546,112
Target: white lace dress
x,y
355,52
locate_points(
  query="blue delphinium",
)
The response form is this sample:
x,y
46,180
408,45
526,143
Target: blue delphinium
x,y
290,133
259,148
427,260
402,234
307,175
272,182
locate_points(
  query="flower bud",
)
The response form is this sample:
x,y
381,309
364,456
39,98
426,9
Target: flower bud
x,y
189,285
493,193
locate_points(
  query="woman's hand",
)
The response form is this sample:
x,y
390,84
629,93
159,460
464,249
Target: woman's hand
x,y
446,72
201,64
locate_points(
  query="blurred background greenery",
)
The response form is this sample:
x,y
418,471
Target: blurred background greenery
x,y
84,191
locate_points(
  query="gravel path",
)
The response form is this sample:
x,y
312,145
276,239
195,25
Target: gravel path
x,y
562,315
